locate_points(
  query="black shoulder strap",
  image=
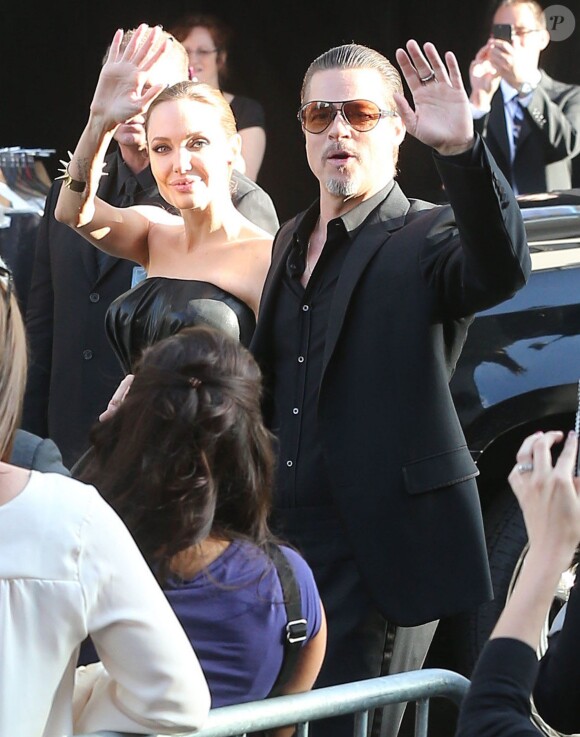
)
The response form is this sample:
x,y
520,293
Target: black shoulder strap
x,y
296,627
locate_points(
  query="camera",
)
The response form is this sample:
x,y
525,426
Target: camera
x,y
502,31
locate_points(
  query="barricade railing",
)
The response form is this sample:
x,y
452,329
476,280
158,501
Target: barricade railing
x,y
358,698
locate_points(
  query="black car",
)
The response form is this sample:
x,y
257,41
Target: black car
x,y
519,372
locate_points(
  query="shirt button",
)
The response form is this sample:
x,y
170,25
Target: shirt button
x,y
94,297
87,354
295,411
289,464
305,308
300,359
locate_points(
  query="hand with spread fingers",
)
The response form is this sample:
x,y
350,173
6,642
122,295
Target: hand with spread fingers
x,y
549,494
123,90
441,117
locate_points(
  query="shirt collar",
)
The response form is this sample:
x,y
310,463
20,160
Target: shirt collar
x,y
351,221
144,178
508,92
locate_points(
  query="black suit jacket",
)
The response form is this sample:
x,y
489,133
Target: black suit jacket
x,y
548,142
73,370
402,477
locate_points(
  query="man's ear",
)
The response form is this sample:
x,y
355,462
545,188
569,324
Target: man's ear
x,y
236,148
543,39
399,128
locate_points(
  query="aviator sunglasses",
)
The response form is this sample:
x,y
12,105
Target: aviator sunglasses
x,y
362,115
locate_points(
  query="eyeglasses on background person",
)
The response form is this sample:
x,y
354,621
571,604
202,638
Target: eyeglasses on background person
x,y
202,52
362,115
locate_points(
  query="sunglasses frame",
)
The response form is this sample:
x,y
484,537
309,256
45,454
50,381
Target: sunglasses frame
x,y
380,114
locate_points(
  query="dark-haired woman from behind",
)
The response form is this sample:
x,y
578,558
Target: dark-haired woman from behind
x,y
187,463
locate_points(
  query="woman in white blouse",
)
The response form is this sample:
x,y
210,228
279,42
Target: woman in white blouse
x,y
68,569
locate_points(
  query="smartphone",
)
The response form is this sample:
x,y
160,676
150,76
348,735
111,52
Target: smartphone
x,y
502,31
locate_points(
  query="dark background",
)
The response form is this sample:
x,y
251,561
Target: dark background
x,y
50,58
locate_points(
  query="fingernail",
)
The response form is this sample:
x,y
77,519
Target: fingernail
x,y
572,434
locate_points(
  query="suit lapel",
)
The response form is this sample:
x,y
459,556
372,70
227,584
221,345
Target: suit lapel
x,y
386,219
389,217
498,130
280,251
89,259
107,263
527,125
106,191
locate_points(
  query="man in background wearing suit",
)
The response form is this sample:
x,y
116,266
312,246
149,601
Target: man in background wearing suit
x,y
73,370
530,122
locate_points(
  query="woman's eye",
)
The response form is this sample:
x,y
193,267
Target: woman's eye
x,y
199,143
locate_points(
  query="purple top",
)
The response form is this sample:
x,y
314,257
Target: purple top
x,y
233,613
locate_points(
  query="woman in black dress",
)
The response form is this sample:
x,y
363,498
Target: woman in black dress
x,y
206,265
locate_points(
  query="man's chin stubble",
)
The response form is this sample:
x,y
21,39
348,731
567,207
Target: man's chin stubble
x,y
341,187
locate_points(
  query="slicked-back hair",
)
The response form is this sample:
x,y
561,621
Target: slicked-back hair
x,y
187,453
197,92
354,56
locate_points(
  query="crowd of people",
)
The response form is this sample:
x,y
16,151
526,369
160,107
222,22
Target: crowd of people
x,y
266,433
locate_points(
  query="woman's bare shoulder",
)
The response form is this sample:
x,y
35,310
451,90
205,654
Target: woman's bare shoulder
x,y
157,214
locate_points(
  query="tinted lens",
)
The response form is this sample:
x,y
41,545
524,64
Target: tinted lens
x,y
362,115
317,116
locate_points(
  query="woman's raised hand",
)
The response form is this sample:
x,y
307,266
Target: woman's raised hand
x,y
123,90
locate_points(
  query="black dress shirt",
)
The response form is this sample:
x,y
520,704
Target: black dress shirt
x,y
300,322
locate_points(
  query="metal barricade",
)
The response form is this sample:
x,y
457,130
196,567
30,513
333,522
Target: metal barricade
x,y
358,698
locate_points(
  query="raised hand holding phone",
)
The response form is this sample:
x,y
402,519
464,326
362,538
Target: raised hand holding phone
x,y
502,31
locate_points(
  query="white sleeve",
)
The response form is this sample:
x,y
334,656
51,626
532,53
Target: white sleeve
x,y
477,113
151,680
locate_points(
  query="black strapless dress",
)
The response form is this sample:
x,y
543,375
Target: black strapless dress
x,y
161,306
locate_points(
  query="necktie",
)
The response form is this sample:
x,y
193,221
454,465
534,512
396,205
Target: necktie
x,y
518,120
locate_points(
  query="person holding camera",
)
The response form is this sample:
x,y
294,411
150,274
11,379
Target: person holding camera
x,y
530,122
508,671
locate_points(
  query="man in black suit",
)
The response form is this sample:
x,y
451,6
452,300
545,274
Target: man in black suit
x,y
530,122
363,316
73,371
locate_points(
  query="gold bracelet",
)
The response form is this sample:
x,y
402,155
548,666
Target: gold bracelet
x,y
75,185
